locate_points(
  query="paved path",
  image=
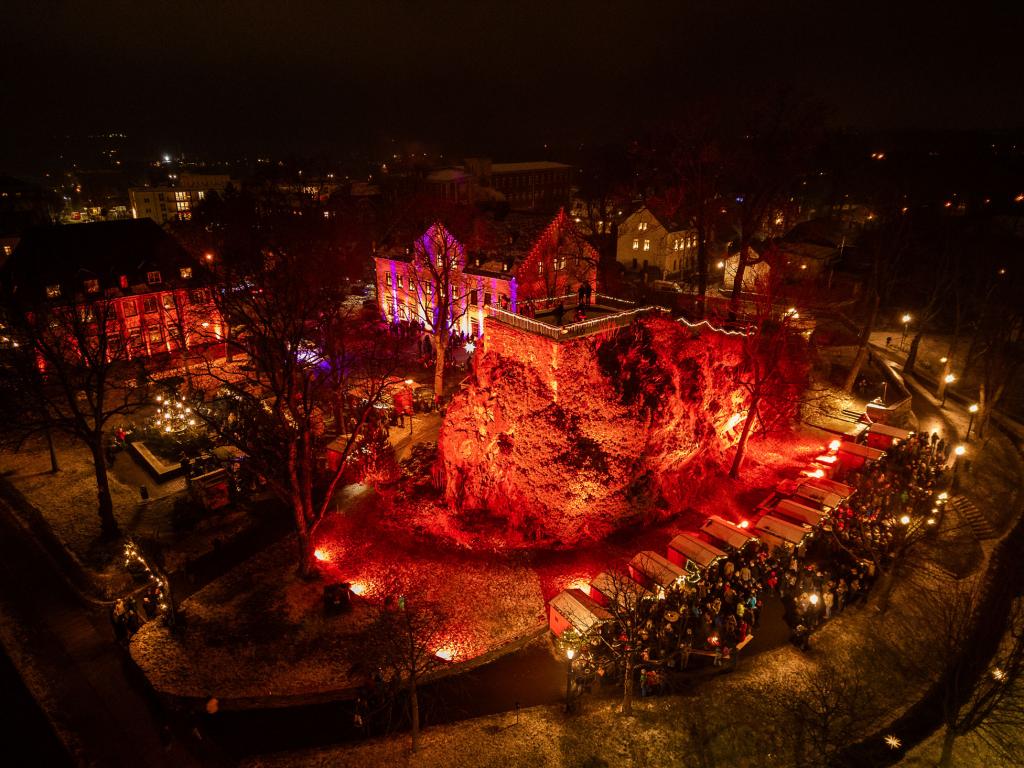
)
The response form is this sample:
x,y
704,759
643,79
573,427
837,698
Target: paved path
x,y
73,645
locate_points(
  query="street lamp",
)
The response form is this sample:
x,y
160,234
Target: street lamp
x,y
906,323
949,379
971,409
958,452
569,653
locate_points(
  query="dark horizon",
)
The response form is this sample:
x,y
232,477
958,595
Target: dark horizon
x,y
251,78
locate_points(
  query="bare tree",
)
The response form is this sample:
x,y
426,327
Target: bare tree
x,y
774,371
76,360
286,315
886,243
821,713
406,642
765,161
628,603
441,294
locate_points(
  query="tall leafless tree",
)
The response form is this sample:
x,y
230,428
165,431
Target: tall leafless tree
x,y
286,314
76,358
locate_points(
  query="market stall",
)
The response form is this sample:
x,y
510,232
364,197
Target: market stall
x,y
652,571
607,588
801,513
572,609
687,547
730,534
781,534
884,436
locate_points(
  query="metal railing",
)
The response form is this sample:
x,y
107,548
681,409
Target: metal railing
x,y
572,330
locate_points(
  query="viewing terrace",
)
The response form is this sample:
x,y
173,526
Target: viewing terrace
x,y
606,313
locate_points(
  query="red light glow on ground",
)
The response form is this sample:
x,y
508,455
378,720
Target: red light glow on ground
x,y
448,652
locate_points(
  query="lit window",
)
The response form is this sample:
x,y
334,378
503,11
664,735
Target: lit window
x,y
7,250
647,245
153,277
168,300
387,279
149,305
636,244
643,226
179,196
155,336
52,291
92,286
131,309
540,267
183,206
399,281
186,273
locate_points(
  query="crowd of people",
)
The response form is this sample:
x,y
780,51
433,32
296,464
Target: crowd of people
x,y
816,581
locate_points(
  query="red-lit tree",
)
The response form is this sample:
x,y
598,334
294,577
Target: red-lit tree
x,y
289,321
774,371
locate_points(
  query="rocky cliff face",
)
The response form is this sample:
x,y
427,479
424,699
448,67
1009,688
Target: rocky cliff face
x,y
556,443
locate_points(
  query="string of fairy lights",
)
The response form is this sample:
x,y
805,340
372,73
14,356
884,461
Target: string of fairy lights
x,y
133,555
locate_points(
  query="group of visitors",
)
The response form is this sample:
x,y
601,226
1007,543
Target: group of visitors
x,y
814,582
128,614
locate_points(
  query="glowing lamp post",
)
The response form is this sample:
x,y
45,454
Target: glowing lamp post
x,y
971,409
958,453
569,654
948,379
906,324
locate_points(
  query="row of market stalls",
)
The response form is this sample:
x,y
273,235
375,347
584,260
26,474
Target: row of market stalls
x,y
785,521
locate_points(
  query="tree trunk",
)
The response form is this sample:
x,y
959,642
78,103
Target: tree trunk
x,y
887,581
627,687
948,740
54,467
908,367
737,285
862,349
307,560
228,356
441,347
702,270
741,446
414,712
108,523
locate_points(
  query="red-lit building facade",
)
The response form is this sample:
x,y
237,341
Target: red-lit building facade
x,y
154,297
511,265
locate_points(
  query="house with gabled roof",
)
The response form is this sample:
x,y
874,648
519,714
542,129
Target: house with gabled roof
x,y
656,245
512,264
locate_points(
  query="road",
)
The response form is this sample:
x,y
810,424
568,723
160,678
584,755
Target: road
x,y
72,643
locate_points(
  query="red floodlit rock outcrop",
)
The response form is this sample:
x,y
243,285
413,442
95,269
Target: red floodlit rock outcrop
x,y
558,442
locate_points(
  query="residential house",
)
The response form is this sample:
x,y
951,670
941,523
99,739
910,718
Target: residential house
x,y
149,286
507,265
656,246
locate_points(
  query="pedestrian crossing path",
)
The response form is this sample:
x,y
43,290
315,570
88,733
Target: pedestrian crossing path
x,y
967,511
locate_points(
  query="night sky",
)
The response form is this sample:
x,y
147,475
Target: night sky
x,y
500,77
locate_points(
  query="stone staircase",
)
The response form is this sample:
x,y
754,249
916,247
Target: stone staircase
x,y
967,511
